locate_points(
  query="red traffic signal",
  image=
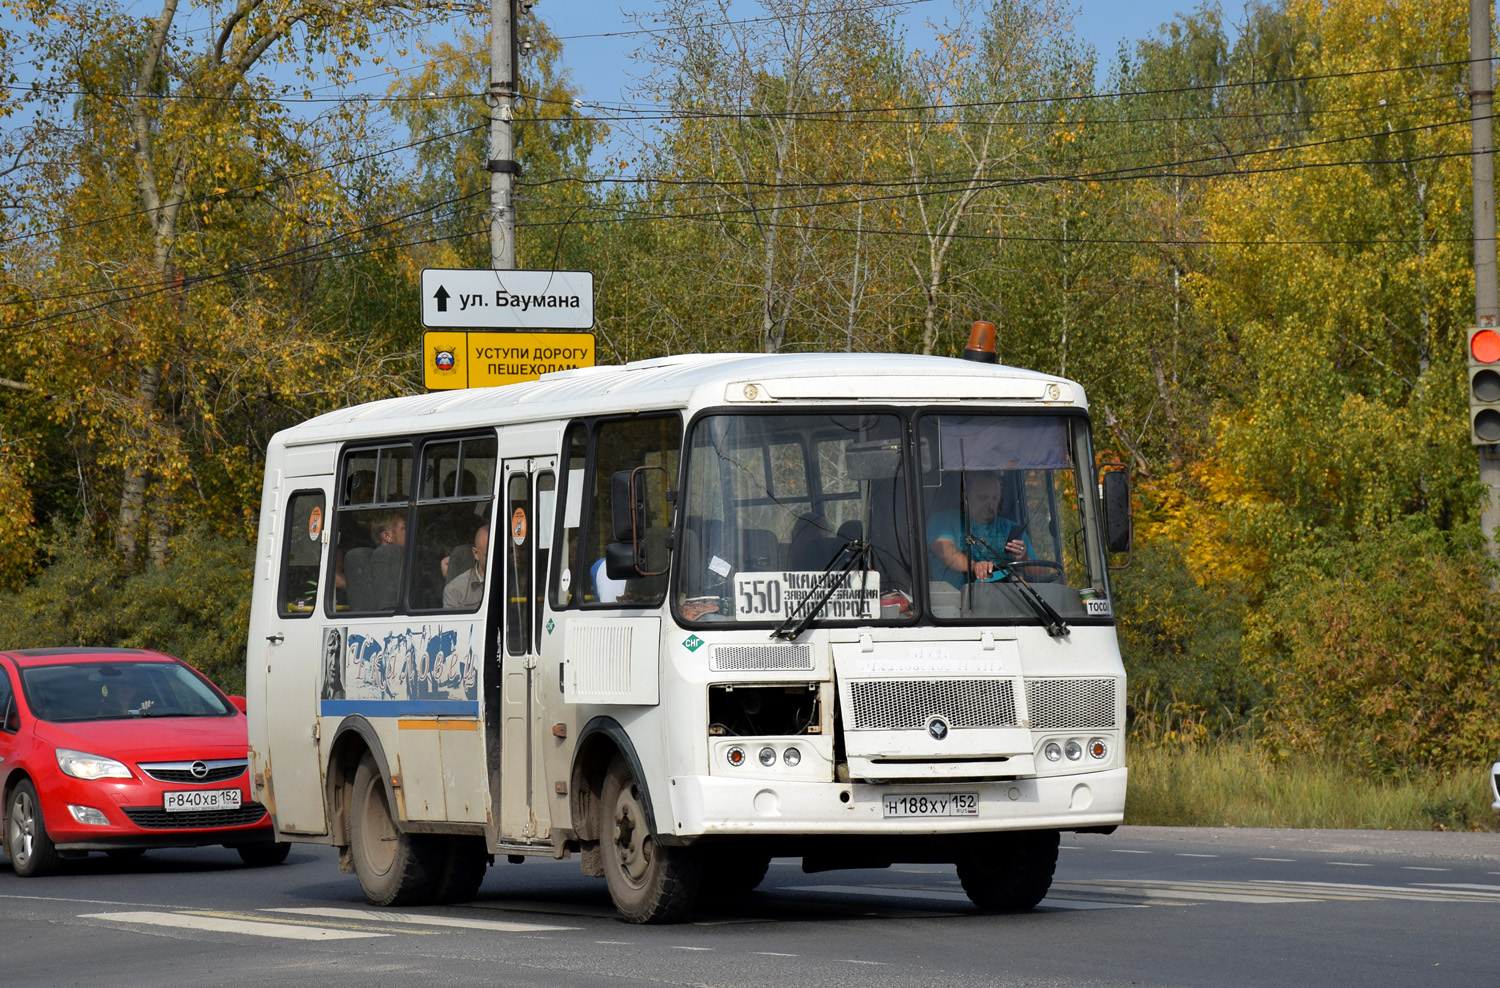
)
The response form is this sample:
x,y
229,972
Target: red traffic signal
x,y
1484,386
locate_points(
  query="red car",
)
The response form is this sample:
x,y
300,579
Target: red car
x,y
120,750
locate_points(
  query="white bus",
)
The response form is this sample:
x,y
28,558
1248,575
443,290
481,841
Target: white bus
x,y
681,616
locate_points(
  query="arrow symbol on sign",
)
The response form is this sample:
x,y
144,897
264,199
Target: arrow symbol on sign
x,y
442,298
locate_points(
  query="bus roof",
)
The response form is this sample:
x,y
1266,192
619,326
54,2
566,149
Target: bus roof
x,y
699,379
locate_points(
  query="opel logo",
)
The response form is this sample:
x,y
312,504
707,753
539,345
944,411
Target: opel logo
x,y
938,728
199,770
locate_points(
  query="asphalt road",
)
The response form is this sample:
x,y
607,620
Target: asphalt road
x,y
1145,906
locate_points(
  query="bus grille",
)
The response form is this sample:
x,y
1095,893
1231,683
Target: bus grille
x,y
909,704
1071,704
763,658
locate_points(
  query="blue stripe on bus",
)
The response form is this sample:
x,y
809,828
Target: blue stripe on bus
x,y
399,708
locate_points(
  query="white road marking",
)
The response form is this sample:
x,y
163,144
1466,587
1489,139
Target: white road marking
x,y
937,894
851,960
772,953
1224,892
1457,885
1127,850
417,919
1284,860
1420,868
219,924
1348,864
693,948
1185,854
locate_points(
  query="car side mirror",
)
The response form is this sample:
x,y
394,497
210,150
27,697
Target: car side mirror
x,y
239,703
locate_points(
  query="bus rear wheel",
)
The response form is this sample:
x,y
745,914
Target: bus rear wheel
x,y
1010,871
649,882
394,868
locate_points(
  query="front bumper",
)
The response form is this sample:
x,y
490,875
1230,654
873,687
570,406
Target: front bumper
x,y
136,818
711,805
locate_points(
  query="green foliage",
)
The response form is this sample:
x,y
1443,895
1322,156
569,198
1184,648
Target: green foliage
x,y
1181,643
1381,649
196,608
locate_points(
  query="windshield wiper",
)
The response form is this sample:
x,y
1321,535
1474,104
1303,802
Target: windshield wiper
x,y
1051,620
853,553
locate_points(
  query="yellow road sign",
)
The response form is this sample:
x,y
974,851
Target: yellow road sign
x,y
490,359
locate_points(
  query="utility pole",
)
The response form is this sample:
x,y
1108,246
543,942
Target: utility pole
x,y
1486,286
503,166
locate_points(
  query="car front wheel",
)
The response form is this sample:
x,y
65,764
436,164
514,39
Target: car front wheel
x,y
26,842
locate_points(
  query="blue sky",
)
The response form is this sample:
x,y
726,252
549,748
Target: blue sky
x,y
596,48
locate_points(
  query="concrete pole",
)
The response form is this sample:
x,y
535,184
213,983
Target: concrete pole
x,y
1486,285
503,167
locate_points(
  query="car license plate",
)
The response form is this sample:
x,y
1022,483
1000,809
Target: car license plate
x,y
198,800
932,804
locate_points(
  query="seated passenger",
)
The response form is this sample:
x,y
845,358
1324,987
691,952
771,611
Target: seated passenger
x,y
997,539
466,590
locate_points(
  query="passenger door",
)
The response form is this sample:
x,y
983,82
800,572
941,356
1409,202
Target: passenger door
x,y
527,510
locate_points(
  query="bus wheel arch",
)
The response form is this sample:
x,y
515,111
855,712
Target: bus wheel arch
x,y
354,738
600,741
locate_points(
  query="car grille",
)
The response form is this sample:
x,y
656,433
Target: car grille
x,y
155,818
893,705
1071,704
219,770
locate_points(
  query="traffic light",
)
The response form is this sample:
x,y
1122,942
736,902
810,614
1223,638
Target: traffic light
x,y
1484,386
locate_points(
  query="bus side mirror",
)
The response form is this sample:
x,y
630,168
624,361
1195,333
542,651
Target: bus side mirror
x,y
1114,488
637,548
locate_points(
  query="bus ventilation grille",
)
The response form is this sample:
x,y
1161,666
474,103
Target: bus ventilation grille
x,y
1071,704
909,705
762,658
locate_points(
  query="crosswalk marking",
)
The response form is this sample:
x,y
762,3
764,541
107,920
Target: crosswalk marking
x,y
224,924
418,919
936,894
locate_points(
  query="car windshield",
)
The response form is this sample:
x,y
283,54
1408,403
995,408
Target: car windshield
x,y
74,692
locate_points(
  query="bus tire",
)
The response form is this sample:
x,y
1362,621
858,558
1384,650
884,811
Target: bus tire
x,y
648,881
394,868
465,860
1009,872
730,870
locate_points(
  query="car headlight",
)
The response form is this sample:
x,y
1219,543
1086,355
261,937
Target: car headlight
x,y
82,765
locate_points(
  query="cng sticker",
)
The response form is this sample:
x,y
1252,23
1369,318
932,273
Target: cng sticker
x,y
550,626
692,643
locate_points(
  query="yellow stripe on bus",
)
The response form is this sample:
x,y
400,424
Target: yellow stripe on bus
x,y
435,724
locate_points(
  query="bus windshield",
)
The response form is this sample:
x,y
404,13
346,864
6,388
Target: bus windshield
x,y
1006,518
787,513
790,518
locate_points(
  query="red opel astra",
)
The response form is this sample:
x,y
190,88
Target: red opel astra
x,y
121,750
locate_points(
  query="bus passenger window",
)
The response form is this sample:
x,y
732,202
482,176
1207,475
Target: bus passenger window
x,y
301,551
371,528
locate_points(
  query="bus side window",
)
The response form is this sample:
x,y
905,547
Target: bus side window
x,y
301,551
624,446
370,528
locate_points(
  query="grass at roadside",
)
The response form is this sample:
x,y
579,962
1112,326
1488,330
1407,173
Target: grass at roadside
x,y
1235,784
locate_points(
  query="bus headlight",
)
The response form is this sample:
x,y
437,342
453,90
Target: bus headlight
x,y
792,757
1097,748
735,756
1053,751
1074,751
768,757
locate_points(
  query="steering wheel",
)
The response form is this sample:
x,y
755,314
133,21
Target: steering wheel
x,y
1051,571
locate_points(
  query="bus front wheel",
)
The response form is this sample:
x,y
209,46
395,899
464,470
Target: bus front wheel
x,y
648,881
1010,871
394,868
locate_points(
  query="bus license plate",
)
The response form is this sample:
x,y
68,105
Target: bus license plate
x,y
932,804
198,800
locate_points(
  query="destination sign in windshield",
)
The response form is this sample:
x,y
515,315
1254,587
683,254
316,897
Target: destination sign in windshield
x,y
776,596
